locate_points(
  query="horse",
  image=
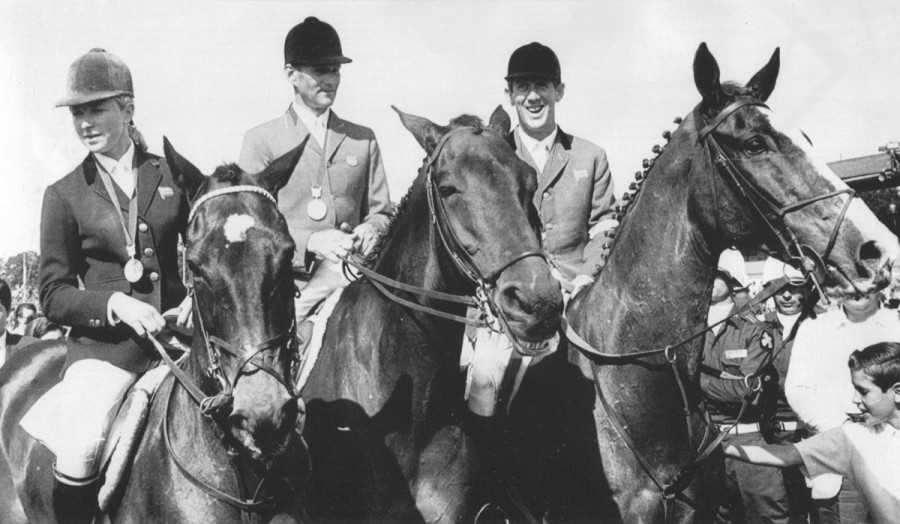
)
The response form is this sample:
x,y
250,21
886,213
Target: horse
x,y
221,442
731,174
388,430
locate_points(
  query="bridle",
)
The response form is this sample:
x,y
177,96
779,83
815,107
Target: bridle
x,y
810,261
249,359
773,215
484,283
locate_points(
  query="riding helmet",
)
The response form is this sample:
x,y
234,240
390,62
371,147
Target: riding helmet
x,y
313,42
97,75
533,61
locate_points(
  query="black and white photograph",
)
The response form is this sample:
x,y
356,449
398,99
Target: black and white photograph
x,y
450,261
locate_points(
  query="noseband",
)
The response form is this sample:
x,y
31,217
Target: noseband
x,y
485,283
811,262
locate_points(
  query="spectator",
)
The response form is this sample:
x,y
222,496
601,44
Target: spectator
x,y
818,386
43,329
25,314
337,200
741,396
867,453
791,310
9,341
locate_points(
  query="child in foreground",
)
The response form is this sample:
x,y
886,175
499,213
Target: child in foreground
x,y
868,453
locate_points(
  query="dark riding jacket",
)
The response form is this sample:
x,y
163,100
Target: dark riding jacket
x,y
83,255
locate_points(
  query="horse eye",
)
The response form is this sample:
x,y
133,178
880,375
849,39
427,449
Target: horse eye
x,y
755,146
447,191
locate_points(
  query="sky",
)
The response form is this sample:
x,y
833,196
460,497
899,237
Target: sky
x,y
207,71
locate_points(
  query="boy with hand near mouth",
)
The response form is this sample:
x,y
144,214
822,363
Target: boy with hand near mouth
x,y
868,453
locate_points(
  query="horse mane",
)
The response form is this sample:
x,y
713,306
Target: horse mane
x,y
464,120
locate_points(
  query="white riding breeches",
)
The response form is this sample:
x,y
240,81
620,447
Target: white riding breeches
x,y
72,419
328,277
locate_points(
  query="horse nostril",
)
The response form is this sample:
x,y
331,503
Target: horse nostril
x,y
238,420
870,252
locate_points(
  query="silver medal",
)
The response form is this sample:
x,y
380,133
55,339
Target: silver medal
x,y
134,270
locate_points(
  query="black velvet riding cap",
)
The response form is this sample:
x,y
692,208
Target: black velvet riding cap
x,y
313,42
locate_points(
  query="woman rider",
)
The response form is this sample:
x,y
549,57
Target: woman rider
x,y
113,225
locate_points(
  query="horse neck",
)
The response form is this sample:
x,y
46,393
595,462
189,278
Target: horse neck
x,y
414,254
656,284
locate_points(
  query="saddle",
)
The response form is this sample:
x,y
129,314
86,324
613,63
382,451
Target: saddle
x,y
127,429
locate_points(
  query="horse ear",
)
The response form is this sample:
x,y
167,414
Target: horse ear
x,y
706,77
276,175
185,175
500,120
427,133
763,82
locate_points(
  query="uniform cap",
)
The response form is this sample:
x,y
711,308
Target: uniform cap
x,y
313,42
97,75
731,263
774,269
533,60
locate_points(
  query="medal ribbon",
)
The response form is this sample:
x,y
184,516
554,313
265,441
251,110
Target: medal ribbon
x,y
323,169
130,230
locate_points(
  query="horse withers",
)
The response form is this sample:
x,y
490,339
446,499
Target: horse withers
x,y
387,423
732,174
221,446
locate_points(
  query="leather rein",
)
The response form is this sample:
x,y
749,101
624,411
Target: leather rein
x,y
484,284
811,263
216,406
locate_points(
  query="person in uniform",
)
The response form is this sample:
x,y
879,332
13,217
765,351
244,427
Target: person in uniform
x,y
792,309
737,375
9,341
336,201
111,225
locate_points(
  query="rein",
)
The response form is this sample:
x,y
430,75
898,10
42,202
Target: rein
x,y
216,406
461,258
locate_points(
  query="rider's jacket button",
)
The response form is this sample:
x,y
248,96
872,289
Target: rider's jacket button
x,y
94,322
547,194
549,226
148,252
143,227
154,276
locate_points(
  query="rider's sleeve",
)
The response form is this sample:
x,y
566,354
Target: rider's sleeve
x,y
602,201
377,208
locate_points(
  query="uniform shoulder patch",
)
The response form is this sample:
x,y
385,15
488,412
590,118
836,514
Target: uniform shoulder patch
x,y
766,340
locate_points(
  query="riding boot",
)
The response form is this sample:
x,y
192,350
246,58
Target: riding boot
x,y
75,504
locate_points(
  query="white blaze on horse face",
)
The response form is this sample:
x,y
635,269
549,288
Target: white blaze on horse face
x,y
858,213
236,227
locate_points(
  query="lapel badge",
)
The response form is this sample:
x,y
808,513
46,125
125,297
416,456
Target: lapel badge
x,y
352,161
580,174
166,192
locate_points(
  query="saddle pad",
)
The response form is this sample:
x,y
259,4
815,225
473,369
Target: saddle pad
x,y
126,431
319,321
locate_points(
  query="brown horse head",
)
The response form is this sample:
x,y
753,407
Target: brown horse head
x,y
239,252
475,183
808,209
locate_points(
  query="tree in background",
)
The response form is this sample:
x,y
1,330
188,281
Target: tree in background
x,y
21,273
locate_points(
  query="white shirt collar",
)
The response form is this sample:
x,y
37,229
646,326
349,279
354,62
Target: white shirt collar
x,y
531,144
316,124
125,162
124,175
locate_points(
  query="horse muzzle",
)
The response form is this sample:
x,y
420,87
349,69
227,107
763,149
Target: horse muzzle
x,y
264,416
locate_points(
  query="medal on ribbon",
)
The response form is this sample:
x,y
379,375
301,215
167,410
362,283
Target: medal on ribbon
x,y
317,208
